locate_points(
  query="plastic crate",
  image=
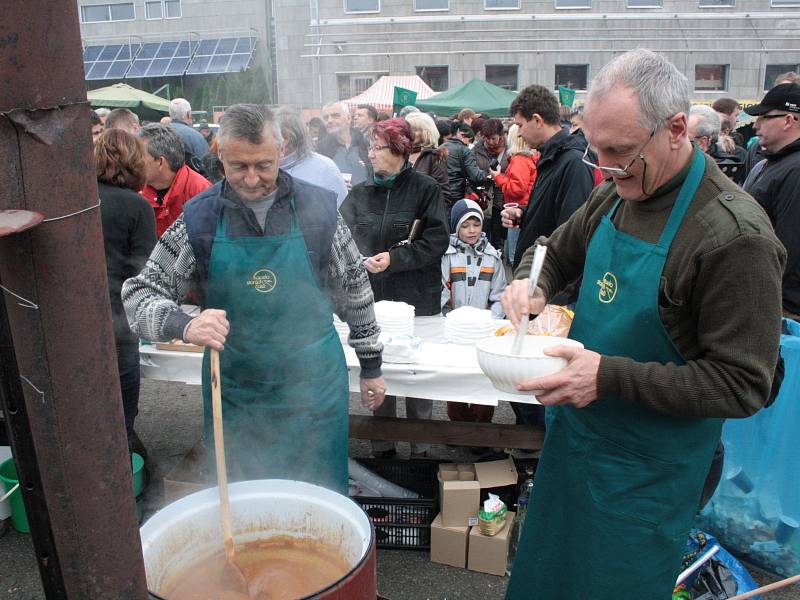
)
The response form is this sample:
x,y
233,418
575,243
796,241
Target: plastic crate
x,y
401,523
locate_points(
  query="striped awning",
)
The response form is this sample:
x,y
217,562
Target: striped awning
x,y
381,93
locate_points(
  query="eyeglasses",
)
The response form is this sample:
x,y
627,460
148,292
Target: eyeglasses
x,y
376,148
779,116
616,171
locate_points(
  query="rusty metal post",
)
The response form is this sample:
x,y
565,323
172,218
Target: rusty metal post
x,y
75,468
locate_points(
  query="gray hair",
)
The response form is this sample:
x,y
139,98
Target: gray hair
x,y
407,110
662,89
163,140
179,109
248,122
102,112
345,108
708,123
294,132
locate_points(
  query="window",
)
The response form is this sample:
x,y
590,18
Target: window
x,y
435,77
501,4
645,3
710,78
572,76
785,3
573,3
504,76
362,6
715,3
100,13
162,9
352,84
431,4
774,70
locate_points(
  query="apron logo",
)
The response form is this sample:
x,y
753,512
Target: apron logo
x,y
263,281
608,288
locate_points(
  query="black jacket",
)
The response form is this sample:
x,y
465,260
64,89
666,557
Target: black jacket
x,y
329,144
775,184
380,218
485,161
129,235
461,167
563,183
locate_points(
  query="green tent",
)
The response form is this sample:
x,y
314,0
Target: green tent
x,y
120,95
477,94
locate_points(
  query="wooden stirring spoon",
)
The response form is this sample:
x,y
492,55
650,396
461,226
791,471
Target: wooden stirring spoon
x,y
232,576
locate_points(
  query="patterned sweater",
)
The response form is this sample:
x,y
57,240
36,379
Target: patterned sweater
x,y
152,298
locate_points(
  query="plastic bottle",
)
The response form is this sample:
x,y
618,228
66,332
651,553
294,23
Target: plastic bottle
x,y
526,489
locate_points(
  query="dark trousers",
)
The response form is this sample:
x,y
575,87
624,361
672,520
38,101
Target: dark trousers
x,y
129,379
471,413
528,414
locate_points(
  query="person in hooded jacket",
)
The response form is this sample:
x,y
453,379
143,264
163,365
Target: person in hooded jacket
x,y
403,260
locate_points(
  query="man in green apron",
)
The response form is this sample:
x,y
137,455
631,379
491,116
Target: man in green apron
x,y
679,312
269,259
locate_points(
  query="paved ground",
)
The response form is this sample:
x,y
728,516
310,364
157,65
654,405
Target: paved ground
x,y
170,423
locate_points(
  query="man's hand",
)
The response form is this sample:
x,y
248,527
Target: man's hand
x,y
379,262
209,328
575,385
373,391
511,217
516,302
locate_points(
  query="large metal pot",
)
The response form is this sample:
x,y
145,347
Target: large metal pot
x,y
189,529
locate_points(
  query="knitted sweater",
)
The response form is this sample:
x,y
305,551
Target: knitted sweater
x,y
719,299
152,298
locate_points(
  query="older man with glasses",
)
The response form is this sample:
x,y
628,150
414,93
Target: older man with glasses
x,y
679,314
775,181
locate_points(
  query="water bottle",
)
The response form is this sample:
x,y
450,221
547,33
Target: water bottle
x,y
525,492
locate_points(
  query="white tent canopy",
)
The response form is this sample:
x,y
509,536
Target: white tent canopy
x,y
381,93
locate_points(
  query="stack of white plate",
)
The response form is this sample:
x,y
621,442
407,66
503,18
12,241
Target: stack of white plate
x,y
395,318
467,325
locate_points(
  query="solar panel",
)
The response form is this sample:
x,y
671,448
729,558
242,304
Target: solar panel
x,y
222,55
159,59
108,61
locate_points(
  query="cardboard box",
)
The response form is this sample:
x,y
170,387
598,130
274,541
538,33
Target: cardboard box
x,y
448,544
489,554
460,488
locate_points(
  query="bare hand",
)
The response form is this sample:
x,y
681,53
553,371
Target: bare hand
x,y
493,174
516,303
511,217
379,262
373,391
575,385
209,328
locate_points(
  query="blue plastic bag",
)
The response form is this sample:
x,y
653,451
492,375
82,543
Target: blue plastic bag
x,y
755,511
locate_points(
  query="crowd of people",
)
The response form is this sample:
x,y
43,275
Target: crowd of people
x,y
672,237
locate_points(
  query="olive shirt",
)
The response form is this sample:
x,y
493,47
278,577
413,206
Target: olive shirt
x,y
719,299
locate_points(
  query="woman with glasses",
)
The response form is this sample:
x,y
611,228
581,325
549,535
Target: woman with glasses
x,y
398,223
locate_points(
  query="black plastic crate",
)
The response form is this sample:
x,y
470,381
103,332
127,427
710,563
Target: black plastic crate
x,y
402,523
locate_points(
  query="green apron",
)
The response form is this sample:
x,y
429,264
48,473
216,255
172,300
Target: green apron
x,y
618,484
284,379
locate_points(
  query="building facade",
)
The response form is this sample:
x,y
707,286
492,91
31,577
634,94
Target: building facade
x,y
333,49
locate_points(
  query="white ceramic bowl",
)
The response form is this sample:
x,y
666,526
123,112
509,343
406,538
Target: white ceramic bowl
x,y
506,371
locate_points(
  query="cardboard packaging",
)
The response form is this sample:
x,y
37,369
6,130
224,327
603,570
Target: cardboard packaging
x,y
460,488
448,544
490,554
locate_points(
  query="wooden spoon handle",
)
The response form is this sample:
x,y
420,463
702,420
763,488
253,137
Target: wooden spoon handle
x,y
219,453
768,588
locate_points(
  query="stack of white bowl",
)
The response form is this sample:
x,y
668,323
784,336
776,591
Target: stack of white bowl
x,y
467,325
395,318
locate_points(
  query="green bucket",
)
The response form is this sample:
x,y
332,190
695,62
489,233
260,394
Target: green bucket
x,y
137,465
8,475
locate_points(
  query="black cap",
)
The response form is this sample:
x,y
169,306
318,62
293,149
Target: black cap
x,y
785,96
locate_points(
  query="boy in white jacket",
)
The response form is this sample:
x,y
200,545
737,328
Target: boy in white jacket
x,y
472,271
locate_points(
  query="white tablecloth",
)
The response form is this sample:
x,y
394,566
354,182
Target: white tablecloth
x,y
442,371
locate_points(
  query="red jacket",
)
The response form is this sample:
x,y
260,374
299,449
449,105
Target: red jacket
x,y
517,181
186,185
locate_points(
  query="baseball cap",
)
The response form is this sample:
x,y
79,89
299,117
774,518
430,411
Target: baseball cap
x,y
785,96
